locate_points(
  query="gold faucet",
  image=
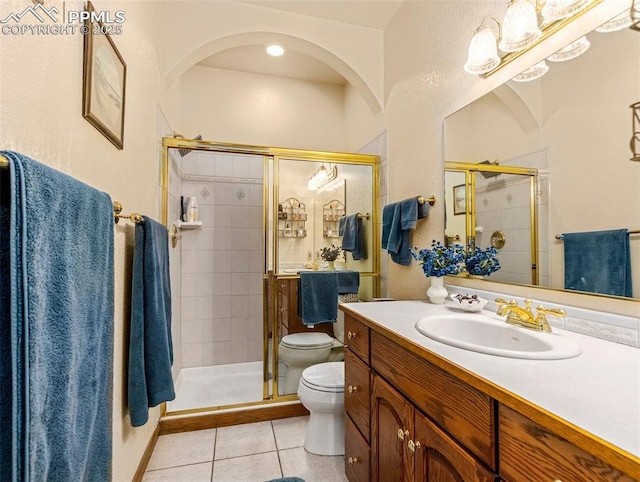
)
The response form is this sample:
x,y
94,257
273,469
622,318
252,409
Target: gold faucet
x,y
524,317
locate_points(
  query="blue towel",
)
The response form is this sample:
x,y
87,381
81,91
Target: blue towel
x,y
598,262
56,326
352,232
318,297
150,344
398,219
348,282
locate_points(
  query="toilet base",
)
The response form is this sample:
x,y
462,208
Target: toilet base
x,y
325,434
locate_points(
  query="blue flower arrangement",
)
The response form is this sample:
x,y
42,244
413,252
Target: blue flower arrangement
x,y
482,261
453,259
440,260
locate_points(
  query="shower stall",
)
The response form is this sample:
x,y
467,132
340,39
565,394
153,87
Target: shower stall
x,y
261,220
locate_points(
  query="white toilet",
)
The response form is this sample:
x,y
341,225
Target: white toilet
x,y
321,391
301,350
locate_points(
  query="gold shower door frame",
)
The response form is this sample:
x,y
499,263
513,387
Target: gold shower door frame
x,y
271,163
470,170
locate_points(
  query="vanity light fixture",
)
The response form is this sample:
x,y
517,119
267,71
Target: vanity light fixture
x,y
322,177
519,27
483,51
571,51
275,50
558,9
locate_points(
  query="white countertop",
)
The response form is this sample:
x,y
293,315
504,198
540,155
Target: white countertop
x,y
598,391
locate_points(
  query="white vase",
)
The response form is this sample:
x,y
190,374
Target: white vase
x,y
437,293
331,265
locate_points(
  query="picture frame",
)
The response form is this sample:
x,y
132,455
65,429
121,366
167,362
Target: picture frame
x,y
459,199
104,82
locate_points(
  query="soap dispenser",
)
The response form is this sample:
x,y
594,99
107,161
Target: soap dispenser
x,y
192,209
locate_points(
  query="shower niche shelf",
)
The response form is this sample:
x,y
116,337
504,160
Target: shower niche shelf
x,y
292,219
188,224
331,214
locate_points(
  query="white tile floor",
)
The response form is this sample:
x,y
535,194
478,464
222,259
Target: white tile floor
x,y
253,452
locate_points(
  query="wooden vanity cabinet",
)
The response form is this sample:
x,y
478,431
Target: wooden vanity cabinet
x,y
287,310
428,425
357,401
529,451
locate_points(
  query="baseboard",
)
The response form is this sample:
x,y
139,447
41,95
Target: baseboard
x,y
227,418
142,466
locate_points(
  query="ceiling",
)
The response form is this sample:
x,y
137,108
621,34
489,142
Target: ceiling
x,y
252,58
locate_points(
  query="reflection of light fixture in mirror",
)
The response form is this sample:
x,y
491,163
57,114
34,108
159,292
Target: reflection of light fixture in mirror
x,y
635,129
558,9
619,22
483,52
519,27
532,73
321,177
571,51
635,15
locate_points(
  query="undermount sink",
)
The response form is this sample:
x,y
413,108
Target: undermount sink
x,y
480,333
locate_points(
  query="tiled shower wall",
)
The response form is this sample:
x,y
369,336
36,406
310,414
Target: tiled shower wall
x,y
502,203
222,262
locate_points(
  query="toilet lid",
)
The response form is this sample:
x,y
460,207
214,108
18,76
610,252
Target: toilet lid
x,y
307,340
325,376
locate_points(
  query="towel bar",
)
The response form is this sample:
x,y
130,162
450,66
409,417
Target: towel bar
x,y
634,231
365,216
133,217
431,200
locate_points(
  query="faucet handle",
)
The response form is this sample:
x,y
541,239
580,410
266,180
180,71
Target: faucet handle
x,y
542,311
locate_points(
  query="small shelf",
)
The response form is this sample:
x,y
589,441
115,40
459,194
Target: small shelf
x,y
188,224
292,218
331,214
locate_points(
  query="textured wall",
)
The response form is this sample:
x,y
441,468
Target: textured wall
x,y
41,116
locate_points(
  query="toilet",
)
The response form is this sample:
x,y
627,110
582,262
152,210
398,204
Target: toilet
x,y
321,391
301,350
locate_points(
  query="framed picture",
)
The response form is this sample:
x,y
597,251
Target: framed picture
x,y
459,199
105,73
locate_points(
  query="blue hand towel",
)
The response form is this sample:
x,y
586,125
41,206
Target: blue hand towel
x,y
150,344
318,297
352,232
56,325
348,282
398,219
598,262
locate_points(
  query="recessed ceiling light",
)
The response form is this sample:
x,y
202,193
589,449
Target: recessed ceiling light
x,y
275,50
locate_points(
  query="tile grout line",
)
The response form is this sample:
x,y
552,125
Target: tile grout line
x,y
275,441
213,455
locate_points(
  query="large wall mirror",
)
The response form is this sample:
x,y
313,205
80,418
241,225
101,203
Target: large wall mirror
x,y
573,125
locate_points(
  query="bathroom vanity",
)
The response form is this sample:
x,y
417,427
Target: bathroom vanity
x,y
417,409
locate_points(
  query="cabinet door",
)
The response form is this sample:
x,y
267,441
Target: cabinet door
x,y
439,458
391,429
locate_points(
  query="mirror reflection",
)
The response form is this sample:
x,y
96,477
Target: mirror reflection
x,y
573,126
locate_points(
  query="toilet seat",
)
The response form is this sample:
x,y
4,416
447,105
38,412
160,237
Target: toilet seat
x,y
324,377
307,341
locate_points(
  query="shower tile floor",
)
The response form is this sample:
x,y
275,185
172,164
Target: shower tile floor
x,y
253,452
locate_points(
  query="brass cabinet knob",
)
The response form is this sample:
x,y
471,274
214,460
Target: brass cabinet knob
x,y
353,388
351,335
353,460
413,446
402,434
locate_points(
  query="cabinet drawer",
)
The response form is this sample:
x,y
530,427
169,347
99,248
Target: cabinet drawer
x,y
531,452
357,454
464,412
357,337
357,390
